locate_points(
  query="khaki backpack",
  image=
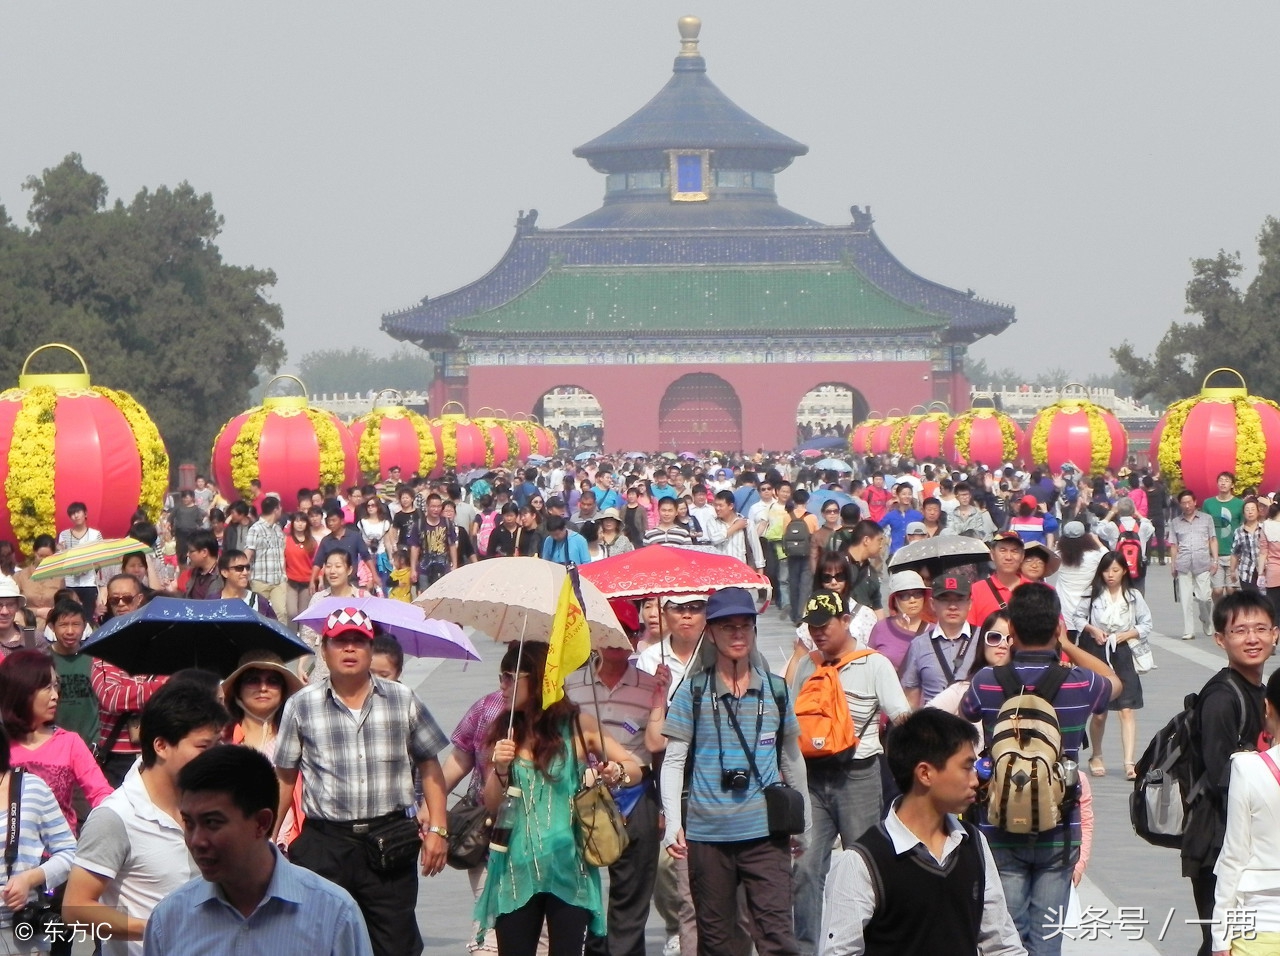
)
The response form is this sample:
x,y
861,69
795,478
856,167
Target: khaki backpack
x,y
1027,792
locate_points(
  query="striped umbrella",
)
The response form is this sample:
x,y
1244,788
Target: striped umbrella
x,y
100,554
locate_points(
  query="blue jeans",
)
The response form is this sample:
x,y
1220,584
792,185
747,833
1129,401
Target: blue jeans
x,y
845,801
1037,883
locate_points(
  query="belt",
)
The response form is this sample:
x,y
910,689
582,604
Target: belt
x,y
351,827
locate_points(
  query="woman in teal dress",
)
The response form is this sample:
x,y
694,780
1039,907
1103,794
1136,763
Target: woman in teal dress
x,y
542,877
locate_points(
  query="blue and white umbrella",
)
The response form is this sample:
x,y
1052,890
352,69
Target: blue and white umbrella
x,y
833,464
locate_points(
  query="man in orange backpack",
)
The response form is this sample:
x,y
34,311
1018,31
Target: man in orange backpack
x,y
838,709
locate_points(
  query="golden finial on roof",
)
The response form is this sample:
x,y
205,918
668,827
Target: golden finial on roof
x,y
689,28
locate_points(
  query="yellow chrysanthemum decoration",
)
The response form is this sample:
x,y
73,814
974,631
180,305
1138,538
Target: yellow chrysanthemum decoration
x,y
333,465
1251,447
1169,454
1099,434
29,484
426,445
151,451
1008,433
449,444
244,450
369,454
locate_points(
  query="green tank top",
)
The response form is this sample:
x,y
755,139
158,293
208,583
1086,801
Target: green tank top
x,y
543,856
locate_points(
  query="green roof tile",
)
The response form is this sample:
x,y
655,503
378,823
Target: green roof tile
x,y
610,300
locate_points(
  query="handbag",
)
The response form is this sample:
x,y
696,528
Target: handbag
x,y
1143,660
470,824
393,844
601,831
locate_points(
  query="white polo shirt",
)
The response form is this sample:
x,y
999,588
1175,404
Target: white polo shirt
x,y
130,841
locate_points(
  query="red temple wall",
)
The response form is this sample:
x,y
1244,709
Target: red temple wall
x,y
630,395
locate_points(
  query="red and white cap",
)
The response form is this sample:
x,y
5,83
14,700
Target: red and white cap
x,y
348,619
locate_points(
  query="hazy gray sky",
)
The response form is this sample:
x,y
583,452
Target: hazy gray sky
x,y
1069,159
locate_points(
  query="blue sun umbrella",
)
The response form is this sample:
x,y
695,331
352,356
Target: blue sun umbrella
x,y
833,464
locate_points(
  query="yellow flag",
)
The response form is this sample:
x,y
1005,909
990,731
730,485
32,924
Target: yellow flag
x,y
570,644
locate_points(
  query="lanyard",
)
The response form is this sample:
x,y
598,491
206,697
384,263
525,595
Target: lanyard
x,y
733,722
949,672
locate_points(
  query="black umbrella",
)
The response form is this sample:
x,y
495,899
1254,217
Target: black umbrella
x,y
168,634
940,553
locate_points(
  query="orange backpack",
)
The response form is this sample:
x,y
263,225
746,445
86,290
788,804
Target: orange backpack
x,y
822,710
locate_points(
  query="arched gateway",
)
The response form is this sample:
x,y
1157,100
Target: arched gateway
x,y
700,411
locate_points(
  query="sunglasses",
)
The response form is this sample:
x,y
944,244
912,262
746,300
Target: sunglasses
x,y
995,638
120,598
263,680
510,677
830,511
835,577
238,567
694,607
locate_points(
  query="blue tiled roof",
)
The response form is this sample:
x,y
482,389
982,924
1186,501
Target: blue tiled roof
x,y
534,251
691,112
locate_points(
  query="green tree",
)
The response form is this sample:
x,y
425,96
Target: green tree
x,y
1235,329
357,370
142,292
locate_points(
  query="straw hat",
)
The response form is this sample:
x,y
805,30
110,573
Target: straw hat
x,y
261,661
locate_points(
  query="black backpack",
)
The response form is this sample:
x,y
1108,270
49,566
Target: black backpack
x,y
796,538
1171,775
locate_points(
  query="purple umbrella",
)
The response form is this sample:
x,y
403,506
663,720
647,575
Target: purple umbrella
x,y
419,635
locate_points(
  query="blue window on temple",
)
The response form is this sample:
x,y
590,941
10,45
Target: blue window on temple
x,y
689,174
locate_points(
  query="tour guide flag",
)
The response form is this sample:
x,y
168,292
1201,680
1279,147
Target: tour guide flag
x,y
570,644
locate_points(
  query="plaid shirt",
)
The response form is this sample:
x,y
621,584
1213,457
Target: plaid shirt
x,y
266,540
356,766
1245,548
473,730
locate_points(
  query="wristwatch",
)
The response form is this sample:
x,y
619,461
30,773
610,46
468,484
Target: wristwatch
x,y
441,832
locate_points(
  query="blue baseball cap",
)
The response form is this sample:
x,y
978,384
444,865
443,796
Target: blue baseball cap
x,y
730,602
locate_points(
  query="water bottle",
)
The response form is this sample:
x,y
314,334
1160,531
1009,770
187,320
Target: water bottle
x,y
1070,772
500,835
982,767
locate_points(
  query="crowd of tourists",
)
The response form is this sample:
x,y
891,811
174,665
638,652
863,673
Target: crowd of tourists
x,y
287,808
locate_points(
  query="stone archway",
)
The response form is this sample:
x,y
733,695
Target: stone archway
x,y
700,412
828,407
574,414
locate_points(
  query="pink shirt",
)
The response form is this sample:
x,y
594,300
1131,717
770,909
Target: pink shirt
x,y
64,762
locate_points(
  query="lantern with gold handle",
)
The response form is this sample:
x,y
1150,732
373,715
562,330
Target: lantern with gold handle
x,y
392,435
1224,428
1078,431
463,443
981,435
70,440
285,445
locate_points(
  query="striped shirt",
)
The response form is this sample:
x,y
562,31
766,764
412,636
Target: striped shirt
x,y
717,815
673,535
42,830
1083,693
66,541
624,708
356,766
266,540
300,912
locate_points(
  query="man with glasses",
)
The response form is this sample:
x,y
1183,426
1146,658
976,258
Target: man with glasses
x,y
121,695
733,725
1231,717
845,792
967,518
13,636
945,652
201,580
356,739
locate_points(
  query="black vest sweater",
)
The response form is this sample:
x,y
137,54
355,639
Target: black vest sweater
x,y
921,907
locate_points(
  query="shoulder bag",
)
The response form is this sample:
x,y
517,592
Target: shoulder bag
x,y
470,824
602,833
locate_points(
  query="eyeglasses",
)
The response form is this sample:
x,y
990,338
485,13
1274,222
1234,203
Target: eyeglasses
x,y
995,638
121,598
238,567
1257,630
693,607
909,595
263,680
510,677
734,628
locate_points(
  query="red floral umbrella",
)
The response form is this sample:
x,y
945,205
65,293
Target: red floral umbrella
x,y
669,569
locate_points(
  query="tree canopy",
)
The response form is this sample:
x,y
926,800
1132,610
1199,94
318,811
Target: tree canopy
x,y
1235,329
142,292
356,370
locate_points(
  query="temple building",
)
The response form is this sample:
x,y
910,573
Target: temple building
x,y
696,309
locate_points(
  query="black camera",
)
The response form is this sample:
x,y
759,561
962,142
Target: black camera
x,y
34,921
736,779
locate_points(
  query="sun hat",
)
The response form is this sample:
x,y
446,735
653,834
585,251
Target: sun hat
x,y
261,661
610,513
905,581
1050,557
9,589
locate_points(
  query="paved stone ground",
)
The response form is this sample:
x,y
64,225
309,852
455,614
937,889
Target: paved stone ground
x,y
1124,871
